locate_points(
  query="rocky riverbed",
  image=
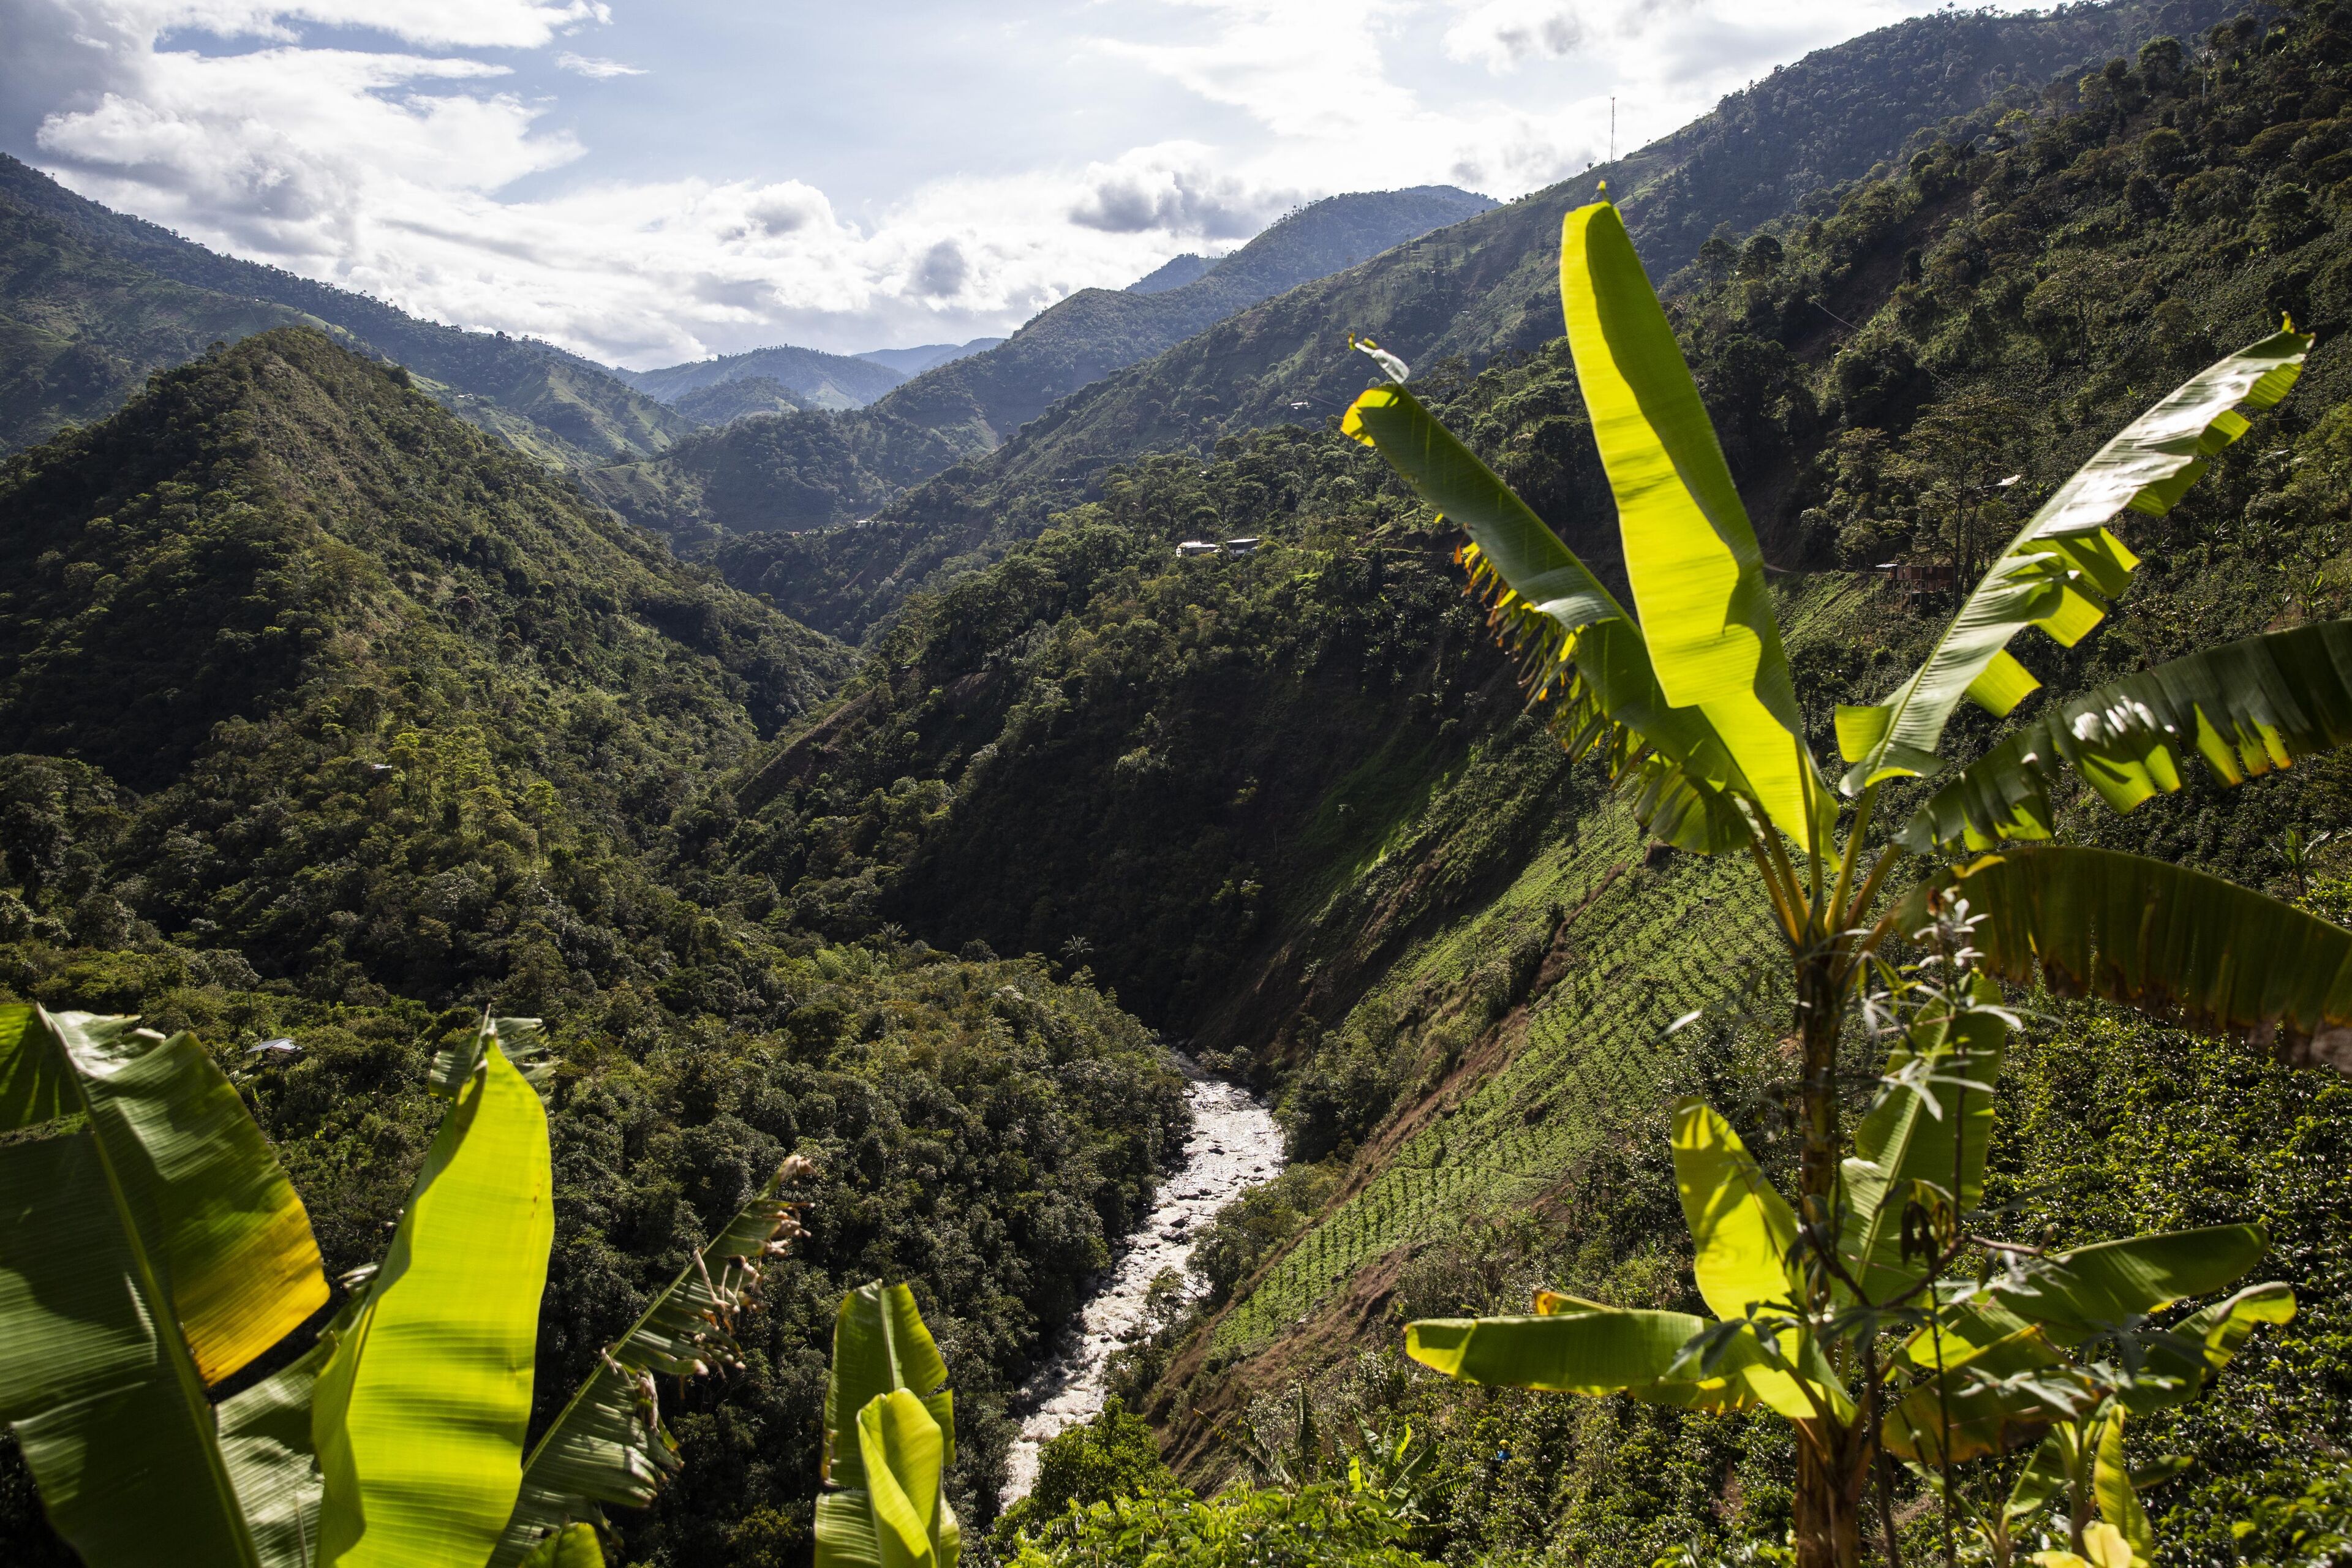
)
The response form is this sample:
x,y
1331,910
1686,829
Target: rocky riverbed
x,y
1235,1143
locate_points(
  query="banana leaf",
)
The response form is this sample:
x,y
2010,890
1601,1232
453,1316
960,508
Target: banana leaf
x,y
574,1546
150,1249
2044,1477
2063,566
1932,1124
522,1041
897,1516
1742,1230
2170,942
1696,571
266,1444
2076,1294
1603,1350
2118,1500
1577,638
418,1416
1983,1399
879,1343
607,1448
2244,707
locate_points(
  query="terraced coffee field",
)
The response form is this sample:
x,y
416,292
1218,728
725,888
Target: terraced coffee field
x,y
1645,945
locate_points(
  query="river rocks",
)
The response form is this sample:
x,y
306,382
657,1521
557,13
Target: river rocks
x,y
1235,1143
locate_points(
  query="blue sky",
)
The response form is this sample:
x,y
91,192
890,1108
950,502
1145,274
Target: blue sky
x,y
655,183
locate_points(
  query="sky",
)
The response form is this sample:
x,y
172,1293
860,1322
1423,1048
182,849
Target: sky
x,y
648,184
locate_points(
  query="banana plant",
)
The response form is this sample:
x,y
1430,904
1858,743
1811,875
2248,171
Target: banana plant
x,y
889,1437
1688,697
150,1247
2053,1347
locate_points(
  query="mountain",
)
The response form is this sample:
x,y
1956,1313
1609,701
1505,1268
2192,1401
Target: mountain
x,y
1173,273
969,406
323,716
80,327
914,361
724,402
556,405
818,379
1297,810
1481,288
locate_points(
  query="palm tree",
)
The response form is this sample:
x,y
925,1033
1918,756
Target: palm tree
x,y
151,1247
1694,706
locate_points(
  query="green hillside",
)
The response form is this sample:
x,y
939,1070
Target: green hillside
x,y
1484,287
557,407
327,717
77,328
1289,804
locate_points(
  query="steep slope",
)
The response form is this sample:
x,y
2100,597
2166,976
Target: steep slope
x,y
1173,273
818,379
980,401
324,717
1290,803
78,327
556,405
725,402
801,475
1481,288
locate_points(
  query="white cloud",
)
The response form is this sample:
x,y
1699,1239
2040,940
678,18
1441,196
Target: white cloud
x,y
419,158
596,70
1502,35
1174,188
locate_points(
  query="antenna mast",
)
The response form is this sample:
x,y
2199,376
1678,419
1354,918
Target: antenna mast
x,y
1613,127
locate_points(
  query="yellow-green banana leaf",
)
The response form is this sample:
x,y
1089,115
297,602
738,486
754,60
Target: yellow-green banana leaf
x,y
1691,555
2244,707
153,1247
2171,941
2063,566
420,1413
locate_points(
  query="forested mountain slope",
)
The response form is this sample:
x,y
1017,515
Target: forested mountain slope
x,y
1289,803
557,407
1484,287
804,473
327,717
816,379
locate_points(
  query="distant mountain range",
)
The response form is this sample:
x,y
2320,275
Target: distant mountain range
x,y
805,473
1484,286
819,380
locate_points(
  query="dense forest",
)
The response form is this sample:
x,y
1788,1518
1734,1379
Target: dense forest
x,y
329,718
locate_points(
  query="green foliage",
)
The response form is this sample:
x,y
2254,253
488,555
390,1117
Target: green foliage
x,y
1113,1455
1320,1525
1785,146
471,744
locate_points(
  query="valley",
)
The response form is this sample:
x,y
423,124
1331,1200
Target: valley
x,y
1184,970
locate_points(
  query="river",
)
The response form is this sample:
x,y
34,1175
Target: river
x,y
1235,1143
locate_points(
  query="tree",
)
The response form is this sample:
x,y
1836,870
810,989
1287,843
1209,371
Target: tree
x,y
151,1248
1694,707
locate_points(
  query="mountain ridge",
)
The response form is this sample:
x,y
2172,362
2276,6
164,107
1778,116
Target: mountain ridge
x,y
1480,289
557,406
969,406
